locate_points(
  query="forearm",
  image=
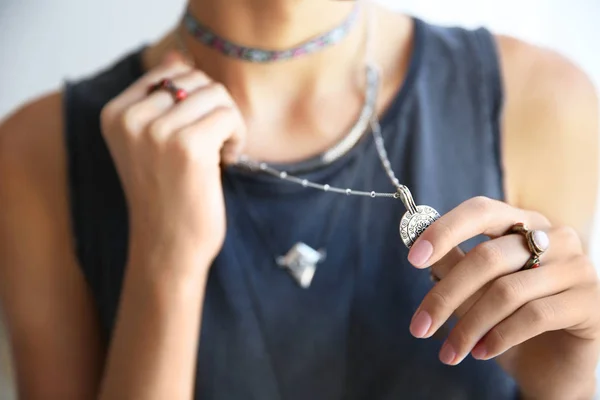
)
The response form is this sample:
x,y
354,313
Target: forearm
x,y
569,376
584,392
154,346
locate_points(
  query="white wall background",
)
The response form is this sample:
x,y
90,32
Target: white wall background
x,y
43,41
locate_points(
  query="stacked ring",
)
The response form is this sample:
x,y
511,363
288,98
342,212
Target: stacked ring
x,y
168,85
537,242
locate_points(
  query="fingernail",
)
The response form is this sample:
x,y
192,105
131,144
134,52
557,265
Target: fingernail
x,y
479,352
420,324
420,253
447,354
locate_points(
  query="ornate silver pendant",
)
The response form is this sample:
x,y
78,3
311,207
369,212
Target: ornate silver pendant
x,y
416,219
301,262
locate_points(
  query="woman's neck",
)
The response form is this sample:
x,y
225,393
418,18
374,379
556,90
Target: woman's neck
x,y
273,24
277,25
296,108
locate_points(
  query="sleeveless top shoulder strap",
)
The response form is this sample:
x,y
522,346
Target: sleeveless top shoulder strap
x,y
98,208
447,117
463,68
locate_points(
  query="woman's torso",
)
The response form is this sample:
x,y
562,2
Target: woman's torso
x,y
264,337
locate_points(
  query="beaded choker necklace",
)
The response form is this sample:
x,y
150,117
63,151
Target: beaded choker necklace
x,y
211,39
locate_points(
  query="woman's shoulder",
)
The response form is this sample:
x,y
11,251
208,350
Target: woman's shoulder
x,y
33,192
38,270
541,77
33,134
33,138
550,132
86,96
31,142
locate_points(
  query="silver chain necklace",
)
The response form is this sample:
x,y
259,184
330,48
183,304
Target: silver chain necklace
x,y
301,260
414,221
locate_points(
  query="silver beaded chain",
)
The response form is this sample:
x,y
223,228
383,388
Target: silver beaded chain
x,y
369,111
283,175
402,192
245,161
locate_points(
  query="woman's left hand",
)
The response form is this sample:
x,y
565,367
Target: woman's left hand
x,y
543,324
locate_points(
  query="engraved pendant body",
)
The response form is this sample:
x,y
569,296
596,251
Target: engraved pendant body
x,y
413,224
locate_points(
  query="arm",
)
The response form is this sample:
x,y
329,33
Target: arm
x,y
550,135
154,349
47,307
49,310
168,152
551,161
540,324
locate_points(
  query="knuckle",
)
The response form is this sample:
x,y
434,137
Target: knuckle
x,y
508,289
461,339
221,118
219,90
539,312
130,118
483,207
180,147
210,124
539,219
223,112
595,288
108,114
441,231
587,269
482,204
159,129
438,301
568,236
198,76
173,67
191,149
489,252
496,340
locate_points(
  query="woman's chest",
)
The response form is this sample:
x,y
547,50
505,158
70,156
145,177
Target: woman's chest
x,y
333,338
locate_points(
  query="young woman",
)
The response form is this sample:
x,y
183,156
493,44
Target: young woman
x,y
146,253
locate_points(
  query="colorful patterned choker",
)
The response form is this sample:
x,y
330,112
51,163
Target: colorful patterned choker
x,y
230,49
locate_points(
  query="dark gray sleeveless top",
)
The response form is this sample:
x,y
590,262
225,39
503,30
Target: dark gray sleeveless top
x,y
346,337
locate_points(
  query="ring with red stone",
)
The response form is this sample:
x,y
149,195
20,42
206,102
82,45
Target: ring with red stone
x,y
537,242
178,94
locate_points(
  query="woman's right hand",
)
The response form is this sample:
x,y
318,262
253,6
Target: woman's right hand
x,y
169,155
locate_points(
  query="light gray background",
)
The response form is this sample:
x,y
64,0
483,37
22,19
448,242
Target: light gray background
x,y
42,42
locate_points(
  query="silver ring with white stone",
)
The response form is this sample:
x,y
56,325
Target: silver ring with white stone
x,y
537,242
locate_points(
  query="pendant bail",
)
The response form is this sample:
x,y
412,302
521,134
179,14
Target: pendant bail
x,y
407,199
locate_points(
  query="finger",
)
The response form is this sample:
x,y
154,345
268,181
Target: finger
x,y
461,285
442,268
505,296
205,98
567,238
173,66
484,263
149,112
479,215
561,311
214,129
